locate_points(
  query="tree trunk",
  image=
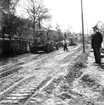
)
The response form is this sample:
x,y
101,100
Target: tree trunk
x,y
39,24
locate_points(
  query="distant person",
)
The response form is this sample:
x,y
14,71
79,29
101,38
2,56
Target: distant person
x,y
56,43
65,45
96,42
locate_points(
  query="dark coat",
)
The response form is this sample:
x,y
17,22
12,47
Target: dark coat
x,y
96,40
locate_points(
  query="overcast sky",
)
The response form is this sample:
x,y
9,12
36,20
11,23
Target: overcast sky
x,y
67,13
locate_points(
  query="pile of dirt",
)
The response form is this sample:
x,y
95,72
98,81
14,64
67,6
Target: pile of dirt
x,y
75,70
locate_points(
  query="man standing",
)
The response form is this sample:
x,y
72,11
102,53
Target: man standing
x,y
65,45
96,44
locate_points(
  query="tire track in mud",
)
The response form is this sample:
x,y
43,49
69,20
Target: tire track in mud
x,y
9,71
23,92
14,67
53,74
7,83
9,75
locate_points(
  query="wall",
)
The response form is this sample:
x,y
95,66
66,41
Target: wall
x,y
15,47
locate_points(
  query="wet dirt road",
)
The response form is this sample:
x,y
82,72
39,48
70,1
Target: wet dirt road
x,y
23,76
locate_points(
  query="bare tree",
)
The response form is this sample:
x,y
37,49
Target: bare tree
x,y
8,6
37,12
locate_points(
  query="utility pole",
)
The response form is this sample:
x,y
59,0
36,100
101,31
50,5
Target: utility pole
x,y
82,26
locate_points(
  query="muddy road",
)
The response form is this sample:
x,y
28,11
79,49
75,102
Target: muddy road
x,y
21,77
